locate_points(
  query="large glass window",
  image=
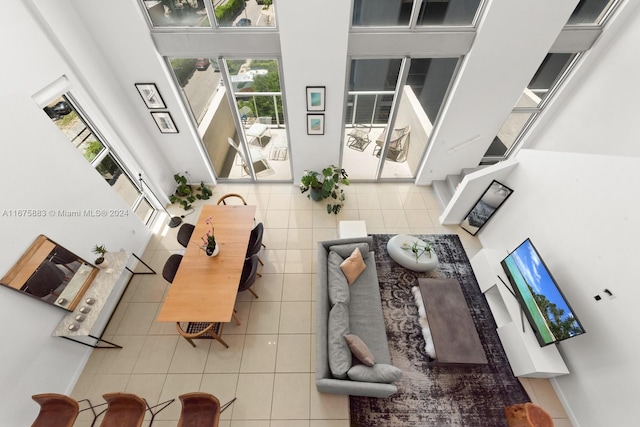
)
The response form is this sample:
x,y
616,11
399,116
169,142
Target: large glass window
x,y
177,13
532,101
201,13
392,108
66,116
590,12
448,12
384,13
244,129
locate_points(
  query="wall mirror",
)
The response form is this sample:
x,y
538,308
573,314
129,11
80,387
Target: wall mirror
x,y
49,272
483,210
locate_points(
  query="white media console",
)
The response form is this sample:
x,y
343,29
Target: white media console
x,y
526,357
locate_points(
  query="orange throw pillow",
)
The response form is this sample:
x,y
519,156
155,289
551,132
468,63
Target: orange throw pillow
x,y
353,266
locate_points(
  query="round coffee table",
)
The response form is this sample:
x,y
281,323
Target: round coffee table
x,y
399,249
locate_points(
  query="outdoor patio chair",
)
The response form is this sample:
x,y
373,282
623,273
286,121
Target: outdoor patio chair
x,y
359,137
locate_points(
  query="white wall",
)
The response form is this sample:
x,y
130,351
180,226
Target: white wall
x,y
313,56
512,40
42,170
585,228
594,113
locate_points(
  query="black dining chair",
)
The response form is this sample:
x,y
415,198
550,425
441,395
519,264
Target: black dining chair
x,y
171,267
255,242
45,280
184,233
249,273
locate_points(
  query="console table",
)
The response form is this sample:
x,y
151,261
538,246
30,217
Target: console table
x,y
526,357
104,293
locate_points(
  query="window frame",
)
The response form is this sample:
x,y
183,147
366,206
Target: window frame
x,y
107,150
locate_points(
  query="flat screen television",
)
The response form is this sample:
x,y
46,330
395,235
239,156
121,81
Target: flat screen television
x,y
546,308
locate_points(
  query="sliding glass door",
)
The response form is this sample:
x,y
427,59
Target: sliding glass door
x,y
238,109
392,108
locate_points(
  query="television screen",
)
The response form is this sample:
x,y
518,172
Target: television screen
x,y
546,308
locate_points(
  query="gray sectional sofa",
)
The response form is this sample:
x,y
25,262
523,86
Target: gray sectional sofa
x,y
363,318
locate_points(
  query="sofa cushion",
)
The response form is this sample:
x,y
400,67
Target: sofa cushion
x,y
378,373
339,352
346,249
353,266
337,285
359,349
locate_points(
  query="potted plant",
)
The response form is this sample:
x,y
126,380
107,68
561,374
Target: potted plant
x,y
205,192
210,247
418,249
100,250
326,185
183,194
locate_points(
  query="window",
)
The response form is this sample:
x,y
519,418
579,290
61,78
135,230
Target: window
x,y
535,96
66,116
384,13
591,12
201,13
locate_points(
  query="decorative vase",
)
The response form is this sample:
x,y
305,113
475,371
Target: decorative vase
x,y
102,264
212,252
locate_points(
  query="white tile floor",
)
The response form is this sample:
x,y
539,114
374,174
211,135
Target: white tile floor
x,y
270,364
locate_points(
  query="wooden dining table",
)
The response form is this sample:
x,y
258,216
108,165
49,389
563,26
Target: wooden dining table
x,y
205,288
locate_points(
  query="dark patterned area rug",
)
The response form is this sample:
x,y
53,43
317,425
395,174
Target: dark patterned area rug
x,y
437,395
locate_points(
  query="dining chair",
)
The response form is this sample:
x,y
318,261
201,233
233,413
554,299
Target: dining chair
x,y
45,280
249,273
184,233
171,267
255,242
128,410
201,410
123,410
228,198
56,410
195,330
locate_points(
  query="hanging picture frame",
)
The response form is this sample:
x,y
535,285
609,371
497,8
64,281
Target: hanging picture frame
x,y
492,198
164,121
316,98
150,96
315,124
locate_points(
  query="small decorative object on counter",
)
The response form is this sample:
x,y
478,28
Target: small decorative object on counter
x,y
100,251
210,247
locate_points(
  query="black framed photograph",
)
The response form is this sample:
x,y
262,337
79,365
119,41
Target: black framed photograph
x,y
164,121
492,198
150,96
315,124
315,98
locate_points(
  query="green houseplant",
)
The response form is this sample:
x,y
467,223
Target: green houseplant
x,y
326,185
100,250
183,194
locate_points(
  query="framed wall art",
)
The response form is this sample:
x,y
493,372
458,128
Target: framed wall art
x,y
164,121
315,98
150,95
315,124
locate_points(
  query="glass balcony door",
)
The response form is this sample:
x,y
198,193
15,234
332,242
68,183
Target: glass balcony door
x,y
392,109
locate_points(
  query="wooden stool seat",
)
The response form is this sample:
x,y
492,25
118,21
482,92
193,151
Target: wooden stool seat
x,y
527,415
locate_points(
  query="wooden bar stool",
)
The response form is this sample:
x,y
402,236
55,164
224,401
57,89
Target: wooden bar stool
x,y
527,415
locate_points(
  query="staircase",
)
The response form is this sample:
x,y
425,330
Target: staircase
x,y
446,188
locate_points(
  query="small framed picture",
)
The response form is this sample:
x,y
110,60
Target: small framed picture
x,y
164,121
315,124
315,98
150,95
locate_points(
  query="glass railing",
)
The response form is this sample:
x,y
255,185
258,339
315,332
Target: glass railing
x,y
260,107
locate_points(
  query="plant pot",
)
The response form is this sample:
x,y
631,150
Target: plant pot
x,y
316,194
213,252
102,262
